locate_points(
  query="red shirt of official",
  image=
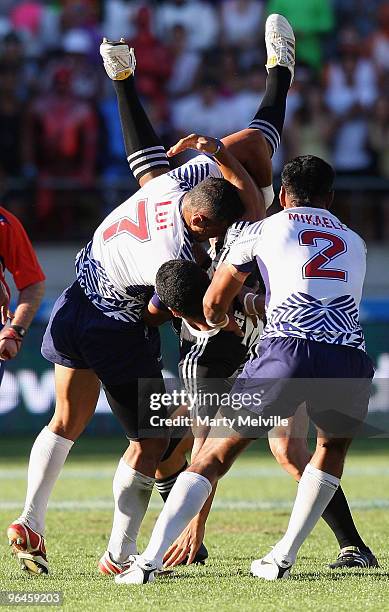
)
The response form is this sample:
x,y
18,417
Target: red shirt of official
x,y
16,253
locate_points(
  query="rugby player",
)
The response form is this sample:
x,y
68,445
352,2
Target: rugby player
x,y
18,257
312,350
96,333
214,354
269,120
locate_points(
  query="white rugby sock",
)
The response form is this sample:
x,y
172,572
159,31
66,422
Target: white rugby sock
x,y
315,491
47,457
185,500
131,492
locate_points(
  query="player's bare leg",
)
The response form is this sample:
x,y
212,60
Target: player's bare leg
x,y
250,147
145,152
77,392
289,446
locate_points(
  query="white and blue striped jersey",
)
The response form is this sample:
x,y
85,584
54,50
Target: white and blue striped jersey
x,y
313,267
117,268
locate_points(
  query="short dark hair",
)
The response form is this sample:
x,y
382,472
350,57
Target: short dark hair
x,y
181,285
308,179
218,198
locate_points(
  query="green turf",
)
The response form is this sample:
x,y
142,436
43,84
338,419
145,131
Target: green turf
x,y
76,537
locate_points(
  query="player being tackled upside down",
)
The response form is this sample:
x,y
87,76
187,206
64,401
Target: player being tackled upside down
x,y
96,333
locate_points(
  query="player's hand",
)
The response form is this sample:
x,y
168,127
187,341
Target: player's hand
x,y
204,144
233,326
259,305
5,313
186,545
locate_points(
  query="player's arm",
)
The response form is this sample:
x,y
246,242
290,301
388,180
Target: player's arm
x,y
156,312
227,282
230,276
231,169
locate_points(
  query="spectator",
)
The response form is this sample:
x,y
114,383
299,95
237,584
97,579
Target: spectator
x,y
312,129
11,122
77,47
83,15
351,154
154,61
60,142
352,79
241,22
338,112
197,17
311,19
360,13
379,135
379,42
204,112
245,103
351,90
12,57
119,18
185,62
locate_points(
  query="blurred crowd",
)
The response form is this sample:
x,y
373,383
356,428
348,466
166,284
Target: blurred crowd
x,y
200,69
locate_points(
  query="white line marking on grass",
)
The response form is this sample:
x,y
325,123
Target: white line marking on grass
x,y
221,504
251,472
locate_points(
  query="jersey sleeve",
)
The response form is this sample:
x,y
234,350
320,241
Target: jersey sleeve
x,y
242,252
157,302
194,171
17,252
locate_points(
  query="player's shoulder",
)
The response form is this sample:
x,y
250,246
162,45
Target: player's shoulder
x,y
358,240
352,235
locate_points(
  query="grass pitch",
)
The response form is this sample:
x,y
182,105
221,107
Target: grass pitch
x,y
250,513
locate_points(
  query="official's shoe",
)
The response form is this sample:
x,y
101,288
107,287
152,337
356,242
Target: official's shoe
x,y
280,43
119,60
109,567
29,548
268,568
351,556
140,572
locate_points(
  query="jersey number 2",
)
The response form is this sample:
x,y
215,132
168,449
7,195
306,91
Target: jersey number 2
x,y
316,267
138,229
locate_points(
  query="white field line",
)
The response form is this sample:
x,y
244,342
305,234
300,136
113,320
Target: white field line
x,y
252,472
219,504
